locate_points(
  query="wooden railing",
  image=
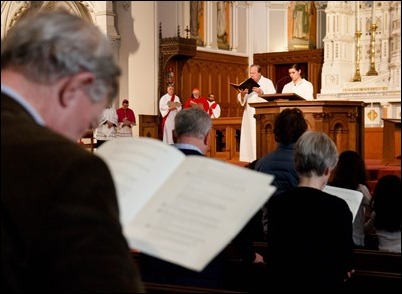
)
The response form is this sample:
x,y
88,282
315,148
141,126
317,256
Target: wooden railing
x,y
225,138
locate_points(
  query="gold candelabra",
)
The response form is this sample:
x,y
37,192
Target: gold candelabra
x,y
372,71
357,77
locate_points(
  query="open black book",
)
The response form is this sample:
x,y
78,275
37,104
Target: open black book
x,y
281,96
247,84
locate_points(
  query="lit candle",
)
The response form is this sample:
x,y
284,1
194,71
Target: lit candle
x,y
372,13
357,17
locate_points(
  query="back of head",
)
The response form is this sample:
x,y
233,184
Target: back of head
x,y
48,46
289,125
314,152
192,122
350,171
387,203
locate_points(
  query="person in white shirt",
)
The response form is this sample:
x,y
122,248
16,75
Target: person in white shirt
x,y
248,138
299,85
214,110
107,127
169,106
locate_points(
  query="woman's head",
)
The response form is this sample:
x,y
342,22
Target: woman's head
x,y
387,203
295,72
350,171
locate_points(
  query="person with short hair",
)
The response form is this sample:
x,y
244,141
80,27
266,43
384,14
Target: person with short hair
x,y
197,100
310,245
169,106
60,227
107,127
248,139
289,125
214,109
126,120
192,131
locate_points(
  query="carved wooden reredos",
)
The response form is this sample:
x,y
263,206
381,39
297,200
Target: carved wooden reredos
x,y
173,53
186,68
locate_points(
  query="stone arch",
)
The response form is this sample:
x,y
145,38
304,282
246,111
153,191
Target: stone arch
x,y
12,11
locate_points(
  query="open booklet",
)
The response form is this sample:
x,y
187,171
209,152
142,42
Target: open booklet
x,y
182,209
246,84
352,197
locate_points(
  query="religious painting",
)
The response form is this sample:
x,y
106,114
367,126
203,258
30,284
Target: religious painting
x,y
223,24
197,21
170,76
302,25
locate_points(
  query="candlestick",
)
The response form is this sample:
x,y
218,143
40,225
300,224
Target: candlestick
x,y
357,77
372,71
357,17
372,13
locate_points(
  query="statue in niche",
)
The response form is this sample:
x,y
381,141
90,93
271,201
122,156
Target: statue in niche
x,y
222,33
301,12
196,12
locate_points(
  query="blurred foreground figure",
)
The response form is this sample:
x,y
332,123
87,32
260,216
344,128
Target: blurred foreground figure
x,y
60,229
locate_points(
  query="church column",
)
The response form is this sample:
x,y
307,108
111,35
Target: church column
x,y
209,36
385,35
321,22
234,26
250,30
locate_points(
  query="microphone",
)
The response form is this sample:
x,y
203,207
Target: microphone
x,y
281,80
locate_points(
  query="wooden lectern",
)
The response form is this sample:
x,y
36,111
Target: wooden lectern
x,y
343,121
392,127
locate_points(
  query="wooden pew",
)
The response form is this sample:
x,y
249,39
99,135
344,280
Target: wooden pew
x,y
167,288
376,271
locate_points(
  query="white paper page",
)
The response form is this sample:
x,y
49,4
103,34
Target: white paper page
x,y
139,165
352,197
208,203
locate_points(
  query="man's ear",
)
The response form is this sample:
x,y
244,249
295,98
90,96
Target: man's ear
x,y
327,171
71,87
207,138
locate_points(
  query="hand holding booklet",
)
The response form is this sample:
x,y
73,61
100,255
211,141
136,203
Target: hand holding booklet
x,y
182,209
246,84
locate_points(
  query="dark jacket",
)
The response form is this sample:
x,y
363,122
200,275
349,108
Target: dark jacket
x,y
60,229
280,163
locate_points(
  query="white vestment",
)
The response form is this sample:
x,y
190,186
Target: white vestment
x,y
248,138
303,88
169,123
214,111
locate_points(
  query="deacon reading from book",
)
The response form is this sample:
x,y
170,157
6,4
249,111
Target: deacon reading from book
x,y
249,92
246,84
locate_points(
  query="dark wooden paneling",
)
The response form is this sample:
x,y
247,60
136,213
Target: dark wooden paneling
x,y
212,72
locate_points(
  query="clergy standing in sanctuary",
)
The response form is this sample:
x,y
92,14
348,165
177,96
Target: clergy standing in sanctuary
x,y
248,139
169,106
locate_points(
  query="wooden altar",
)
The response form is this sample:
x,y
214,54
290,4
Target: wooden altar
x,y
343,121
